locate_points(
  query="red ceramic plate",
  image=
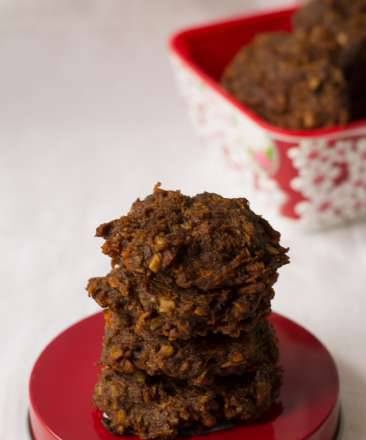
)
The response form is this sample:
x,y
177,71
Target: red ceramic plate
x,y
62,381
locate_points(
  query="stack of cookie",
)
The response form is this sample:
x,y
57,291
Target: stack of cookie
x,y
187,343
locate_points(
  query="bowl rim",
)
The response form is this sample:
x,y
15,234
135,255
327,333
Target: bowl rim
x,y
177,46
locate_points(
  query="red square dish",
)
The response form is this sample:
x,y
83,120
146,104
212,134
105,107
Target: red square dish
x,y
316,177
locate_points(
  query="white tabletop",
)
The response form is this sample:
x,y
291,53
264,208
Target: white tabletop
x,y
90,119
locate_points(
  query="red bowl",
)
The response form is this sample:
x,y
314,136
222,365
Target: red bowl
x,y
316,177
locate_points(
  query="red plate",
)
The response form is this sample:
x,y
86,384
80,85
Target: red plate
x,y
63,378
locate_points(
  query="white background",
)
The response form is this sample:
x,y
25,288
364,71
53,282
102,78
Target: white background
x,y
89,120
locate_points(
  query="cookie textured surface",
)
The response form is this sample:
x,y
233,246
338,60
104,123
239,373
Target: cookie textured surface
x,y
205,242
289,81
345,21
156,408
160,307
198,361
327,13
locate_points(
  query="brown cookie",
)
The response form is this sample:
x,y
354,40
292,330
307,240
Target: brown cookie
x,y
165,310
156,408
198,361
345,21
331,14
204,242
290,81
